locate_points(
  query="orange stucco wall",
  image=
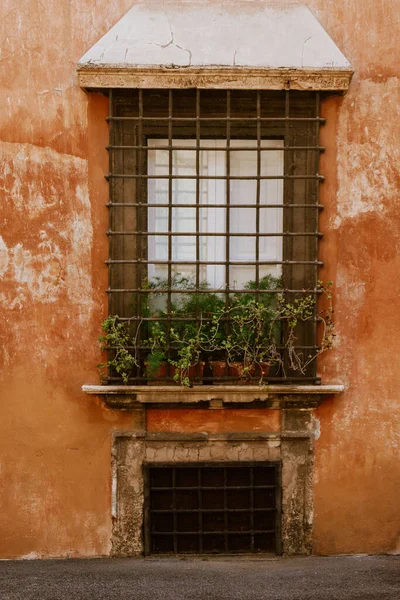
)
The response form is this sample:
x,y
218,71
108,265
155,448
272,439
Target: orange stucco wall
x,y
211,421
54,441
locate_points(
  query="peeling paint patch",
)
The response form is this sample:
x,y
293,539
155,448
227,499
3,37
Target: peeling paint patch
x,y
30,556
369,154
4,257
35,180
46,251
78,275
352,292
38,275
316,424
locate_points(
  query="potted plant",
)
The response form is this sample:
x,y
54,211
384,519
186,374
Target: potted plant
x,y
254,331
120,343
188,331
240,342
303,309
251,343
242,330
194,339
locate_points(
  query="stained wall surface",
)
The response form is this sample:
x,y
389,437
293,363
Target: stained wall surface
x,y
55,442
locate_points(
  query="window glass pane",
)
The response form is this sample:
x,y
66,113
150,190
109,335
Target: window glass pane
x,y
274,270
183,248
157,221
243,219
242,247
243,162
212,220
158,250
183,221
158,160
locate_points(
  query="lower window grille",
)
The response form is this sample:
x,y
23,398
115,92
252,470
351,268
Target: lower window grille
x,y
213,509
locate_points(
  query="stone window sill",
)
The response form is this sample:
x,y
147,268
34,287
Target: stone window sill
x,y
214,396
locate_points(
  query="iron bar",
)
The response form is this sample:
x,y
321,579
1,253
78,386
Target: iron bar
x,y
207,291
170,215
212,177
111,186
219,205
317,184
174,136
215,262
219,119
197,147
317,234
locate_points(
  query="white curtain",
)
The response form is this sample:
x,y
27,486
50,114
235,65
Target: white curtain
x,y
242,249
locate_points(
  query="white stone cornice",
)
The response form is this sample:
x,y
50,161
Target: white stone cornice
x,y
236,44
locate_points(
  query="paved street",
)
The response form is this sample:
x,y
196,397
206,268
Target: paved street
x,y
335,578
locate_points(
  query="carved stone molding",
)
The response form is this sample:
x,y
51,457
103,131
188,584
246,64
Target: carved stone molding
x,y
96,77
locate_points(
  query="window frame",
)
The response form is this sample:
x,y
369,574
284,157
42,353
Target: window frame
x,y
285,131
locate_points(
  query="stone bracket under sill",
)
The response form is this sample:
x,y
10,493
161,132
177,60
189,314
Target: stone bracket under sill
x,y
213,397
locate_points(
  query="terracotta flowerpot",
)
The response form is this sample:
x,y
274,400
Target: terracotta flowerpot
x,y
234,371
262,370
240,373
165,373
160,377
237,374
195,373
250,375
219,370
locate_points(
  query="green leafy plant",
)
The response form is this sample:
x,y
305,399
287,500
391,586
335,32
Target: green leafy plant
x,y
187,356
119,342
153,362
255,326
200,327
159,348
251,342
304,309
191,315
245,331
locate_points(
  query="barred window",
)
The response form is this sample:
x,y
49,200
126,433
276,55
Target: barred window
x,y
213,196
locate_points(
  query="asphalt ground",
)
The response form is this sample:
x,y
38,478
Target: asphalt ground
x,y
309,578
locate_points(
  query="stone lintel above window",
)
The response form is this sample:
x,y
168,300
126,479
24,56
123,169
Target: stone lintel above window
x,y
240,44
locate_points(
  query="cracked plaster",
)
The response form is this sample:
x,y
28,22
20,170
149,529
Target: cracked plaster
x,y
202,34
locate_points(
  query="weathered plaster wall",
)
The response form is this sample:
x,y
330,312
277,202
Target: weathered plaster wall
x,y
221,421
357,454
55,443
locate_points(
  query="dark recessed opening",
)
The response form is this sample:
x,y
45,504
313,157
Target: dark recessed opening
x,y
212,509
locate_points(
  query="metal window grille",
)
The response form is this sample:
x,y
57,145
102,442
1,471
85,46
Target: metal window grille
x,y
142,122
212,508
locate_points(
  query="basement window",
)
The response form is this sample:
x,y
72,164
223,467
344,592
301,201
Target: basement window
x,y
213,193
231,508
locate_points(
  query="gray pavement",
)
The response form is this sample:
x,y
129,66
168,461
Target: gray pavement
x,y
333,578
